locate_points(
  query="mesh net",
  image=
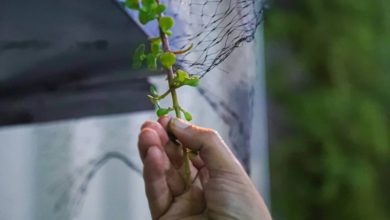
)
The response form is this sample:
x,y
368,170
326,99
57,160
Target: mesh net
x,y
213,27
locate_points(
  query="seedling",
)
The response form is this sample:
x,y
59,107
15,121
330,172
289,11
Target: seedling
x,y
160,56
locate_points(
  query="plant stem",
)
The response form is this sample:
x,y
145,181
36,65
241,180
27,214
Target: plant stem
x,y
164,95
176,106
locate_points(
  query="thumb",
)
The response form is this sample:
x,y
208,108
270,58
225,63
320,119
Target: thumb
x,y
212,149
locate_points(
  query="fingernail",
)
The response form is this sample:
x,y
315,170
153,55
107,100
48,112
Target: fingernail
x,y
180,123
164,119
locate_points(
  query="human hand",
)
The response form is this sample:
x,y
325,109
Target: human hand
x,y
223,189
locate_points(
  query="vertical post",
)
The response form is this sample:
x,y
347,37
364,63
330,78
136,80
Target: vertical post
x,y
259,163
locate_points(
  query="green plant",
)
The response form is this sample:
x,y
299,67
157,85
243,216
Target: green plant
x,y
160,54
333,91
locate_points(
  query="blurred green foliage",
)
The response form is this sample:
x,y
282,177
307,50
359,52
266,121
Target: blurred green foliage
x,y
328,73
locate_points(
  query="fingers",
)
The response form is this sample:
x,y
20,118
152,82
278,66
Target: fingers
x,y
149,138
174,152
156,186
213,151
158,128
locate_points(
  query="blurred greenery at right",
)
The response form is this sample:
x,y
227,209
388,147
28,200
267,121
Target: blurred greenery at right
x,y
328,74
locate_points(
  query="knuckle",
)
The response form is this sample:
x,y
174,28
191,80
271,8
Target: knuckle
x,y
211,135
147,133
149,124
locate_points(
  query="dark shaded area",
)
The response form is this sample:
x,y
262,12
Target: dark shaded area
x,y
67,59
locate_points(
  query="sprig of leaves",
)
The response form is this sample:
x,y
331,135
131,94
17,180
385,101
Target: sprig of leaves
x,y
147,11
160,55
155,57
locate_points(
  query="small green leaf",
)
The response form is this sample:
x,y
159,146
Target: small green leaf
x,y
153,90
150,8
155,47
160,8
155,39
181,75
168,32
187,115
166,23
151,60
163,111
140,52
168,59
133,4
148,2
139,56
152,100
193,81
145,16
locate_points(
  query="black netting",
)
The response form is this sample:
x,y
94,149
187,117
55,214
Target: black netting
x,y
214,28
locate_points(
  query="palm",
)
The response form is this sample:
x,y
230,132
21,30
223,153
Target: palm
x,y
189,205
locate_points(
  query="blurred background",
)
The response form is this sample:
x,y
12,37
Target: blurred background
x,y
328,83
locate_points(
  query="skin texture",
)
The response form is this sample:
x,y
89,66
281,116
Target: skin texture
x,y
221,188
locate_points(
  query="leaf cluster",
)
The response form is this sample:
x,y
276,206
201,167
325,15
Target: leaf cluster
x,y
148,10
184,78
155,55
150,57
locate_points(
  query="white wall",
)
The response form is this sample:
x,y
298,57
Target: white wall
x,y
39,163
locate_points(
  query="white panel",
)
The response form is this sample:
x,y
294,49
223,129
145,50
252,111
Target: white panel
x,y
16,174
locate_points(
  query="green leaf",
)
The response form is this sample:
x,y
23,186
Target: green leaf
x,y
155,47
187,115
150,7
153,90
163,111
181,75
133,4
140,52
139,56
148,3
152,99
168,59
193,81
151,60
155,40
166,23
168,32
145,16
161,8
